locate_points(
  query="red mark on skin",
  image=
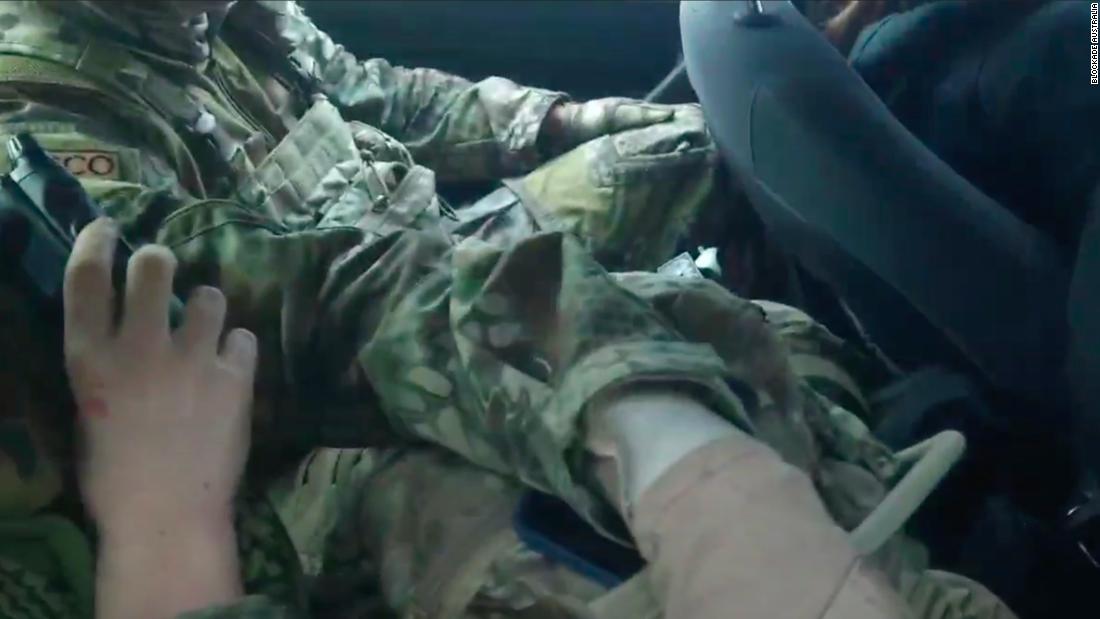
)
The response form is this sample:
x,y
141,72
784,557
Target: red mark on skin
x,y
94,408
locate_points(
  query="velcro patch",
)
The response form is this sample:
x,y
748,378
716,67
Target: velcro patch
x,y
99,164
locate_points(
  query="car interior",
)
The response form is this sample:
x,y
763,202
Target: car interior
x,y
982,311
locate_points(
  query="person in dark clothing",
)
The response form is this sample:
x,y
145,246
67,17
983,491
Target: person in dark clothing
x,y
1001,92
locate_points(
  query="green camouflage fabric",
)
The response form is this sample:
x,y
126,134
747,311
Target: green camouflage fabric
x,y
421,533
302,182
630,197
842,371
455,354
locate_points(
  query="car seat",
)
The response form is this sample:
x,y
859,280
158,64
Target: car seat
x,y
937,272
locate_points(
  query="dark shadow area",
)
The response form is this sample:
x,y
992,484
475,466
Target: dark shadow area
x,y
589,49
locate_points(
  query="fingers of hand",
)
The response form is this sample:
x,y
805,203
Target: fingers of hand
x,y
88,293
632,115
148,290
240,353
202,322
594,115
614,114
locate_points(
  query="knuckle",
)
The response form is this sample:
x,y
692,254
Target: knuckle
x,y
156,258
83,273
232,371
234,375
205,312
81,359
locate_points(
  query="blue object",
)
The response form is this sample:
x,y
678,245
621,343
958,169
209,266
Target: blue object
x,y
550,527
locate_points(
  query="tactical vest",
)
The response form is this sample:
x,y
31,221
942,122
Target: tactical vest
x,y
319,174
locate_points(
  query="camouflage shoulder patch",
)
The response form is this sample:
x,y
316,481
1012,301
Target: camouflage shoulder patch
x,y
83,157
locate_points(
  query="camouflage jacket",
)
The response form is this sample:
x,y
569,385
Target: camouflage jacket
x,y
292,176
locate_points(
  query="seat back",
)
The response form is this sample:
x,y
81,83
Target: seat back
x,y
932,267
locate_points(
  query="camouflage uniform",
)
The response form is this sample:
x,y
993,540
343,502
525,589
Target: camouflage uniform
x,y
291,175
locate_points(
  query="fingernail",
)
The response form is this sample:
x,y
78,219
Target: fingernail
x,y
206,294
244,342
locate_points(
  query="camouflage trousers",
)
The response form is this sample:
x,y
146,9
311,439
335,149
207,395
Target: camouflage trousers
x,y
420,533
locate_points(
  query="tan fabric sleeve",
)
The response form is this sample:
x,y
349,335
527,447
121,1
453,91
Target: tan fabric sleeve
x,y
732,530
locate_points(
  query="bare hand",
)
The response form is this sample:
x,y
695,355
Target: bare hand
x,y
572,124
163,416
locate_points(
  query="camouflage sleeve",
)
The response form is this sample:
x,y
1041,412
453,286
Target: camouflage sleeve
x,y
462,130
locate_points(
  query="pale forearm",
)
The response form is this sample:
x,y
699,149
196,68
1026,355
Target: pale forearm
x,y
154,570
